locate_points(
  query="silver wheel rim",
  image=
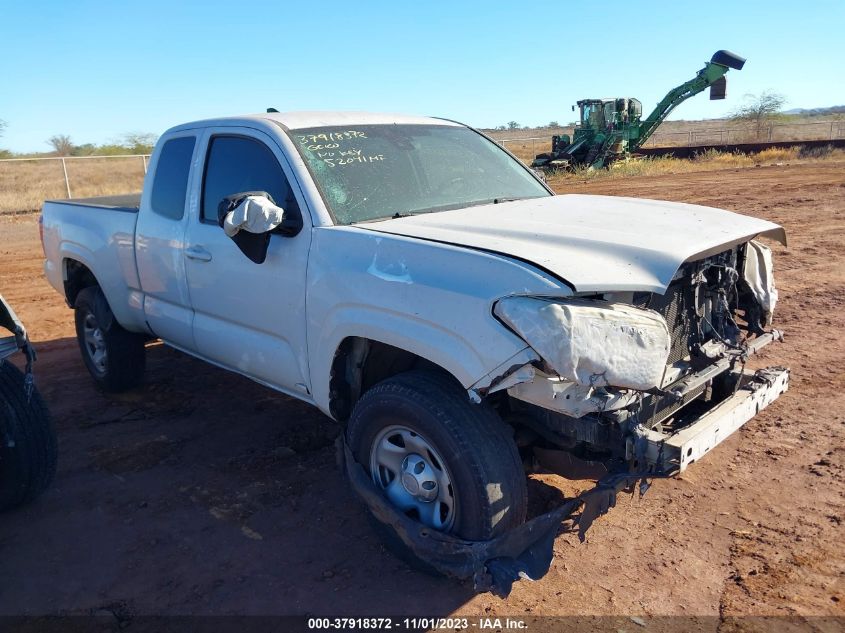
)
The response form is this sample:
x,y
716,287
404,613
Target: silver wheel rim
x,y
413,476
95,342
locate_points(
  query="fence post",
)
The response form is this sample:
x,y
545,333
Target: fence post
x,y
67,182
144,158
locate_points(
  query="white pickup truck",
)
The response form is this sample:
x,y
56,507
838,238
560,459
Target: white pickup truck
x,y
417,283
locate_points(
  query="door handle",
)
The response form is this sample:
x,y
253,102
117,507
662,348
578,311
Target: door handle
x,y
198,253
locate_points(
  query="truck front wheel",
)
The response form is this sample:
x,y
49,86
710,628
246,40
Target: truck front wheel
x,y
113,356
439,458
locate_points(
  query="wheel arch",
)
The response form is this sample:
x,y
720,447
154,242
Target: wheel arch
x,y
76,275
359,363
401,341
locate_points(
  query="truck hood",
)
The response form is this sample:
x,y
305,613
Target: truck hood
x,y
593,243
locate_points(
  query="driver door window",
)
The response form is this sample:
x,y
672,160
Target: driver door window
x,y
236,164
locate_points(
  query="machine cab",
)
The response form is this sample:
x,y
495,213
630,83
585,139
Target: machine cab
x,y
602,114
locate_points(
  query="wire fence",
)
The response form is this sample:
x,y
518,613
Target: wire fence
x,y
728,135
767,133
26,182
63,160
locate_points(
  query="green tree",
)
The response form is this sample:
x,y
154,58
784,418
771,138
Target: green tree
x,y
2,126
139,142
552,124
61,144
86,149
513,125
112,149
759,110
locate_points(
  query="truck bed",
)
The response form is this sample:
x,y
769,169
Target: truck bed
x,y
128,202
86,231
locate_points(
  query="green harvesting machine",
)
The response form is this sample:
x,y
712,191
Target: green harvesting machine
x,y
610,129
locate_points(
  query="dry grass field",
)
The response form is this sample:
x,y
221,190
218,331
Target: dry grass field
x,y
24,185
707,161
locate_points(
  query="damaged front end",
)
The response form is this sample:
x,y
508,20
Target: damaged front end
x,y
619,388
639,380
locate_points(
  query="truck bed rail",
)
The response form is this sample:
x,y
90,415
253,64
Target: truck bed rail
x,y
128,202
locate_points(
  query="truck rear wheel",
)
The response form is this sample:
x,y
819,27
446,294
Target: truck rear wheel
x,y
114,357
440,459
27,441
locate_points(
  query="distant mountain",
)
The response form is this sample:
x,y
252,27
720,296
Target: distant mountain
x,y
817,111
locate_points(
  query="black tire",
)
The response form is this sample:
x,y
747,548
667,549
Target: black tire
x,y
27,441
476,446
123,367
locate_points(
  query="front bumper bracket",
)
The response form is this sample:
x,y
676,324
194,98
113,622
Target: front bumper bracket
x,y
756,391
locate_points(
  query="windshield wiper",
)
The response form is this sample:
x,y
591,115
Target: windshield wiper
x,y
443,207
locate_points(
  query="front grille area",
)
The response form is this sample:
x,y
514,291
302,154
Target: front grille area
x,y
677,307
658,408
706,283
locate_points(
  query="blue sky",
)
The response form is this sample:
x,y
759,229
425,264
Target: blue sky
x,y
95,70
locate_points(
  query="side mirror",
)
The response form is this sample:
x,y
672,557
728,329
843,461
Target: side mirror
x,y
248,218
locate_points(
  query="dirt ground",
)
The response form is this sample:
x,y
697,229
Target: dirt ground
x,y
204,493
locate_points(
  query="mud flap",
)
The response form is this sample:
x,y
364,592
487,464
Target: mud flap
x,y
493,565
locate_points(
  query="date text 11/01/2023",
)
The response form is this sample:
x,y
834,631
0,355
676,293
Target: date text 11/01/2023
x,y
418,623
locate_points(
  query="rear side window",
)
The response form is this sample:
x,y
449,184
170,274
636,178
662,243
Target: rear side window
x,y
171,177
236,164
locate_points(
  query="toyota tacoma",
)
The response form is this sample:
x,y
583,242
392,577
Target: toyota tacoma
x,y
425,289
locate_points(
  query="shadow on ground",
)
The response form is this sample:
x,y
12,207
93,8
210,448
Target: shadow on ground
x,y
200,492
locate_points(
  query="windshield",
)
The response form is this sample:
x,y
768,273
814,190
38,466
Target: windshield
x,y
369,172
591,114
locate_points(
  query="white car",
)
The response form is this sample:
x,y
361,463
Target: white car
x,y
420,285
